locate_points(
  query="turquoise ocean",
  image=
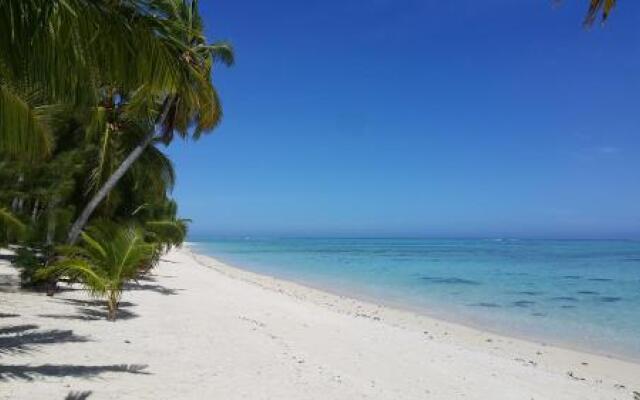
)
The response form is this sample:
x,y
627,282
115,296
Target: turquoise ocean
x,y
579,293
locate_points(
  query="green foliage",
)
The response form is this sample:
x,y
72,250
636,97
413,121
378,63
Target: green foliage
x,y
167,232
190,107
10,226
55,52
108,257
24,127
82,84
30,265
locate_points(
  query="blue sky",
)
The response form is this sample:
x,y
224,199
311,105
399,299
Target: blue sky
x,y
419,118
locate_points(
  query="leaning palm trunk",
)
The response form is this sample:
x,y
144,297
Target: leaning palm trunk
x,y
200,106
108,186
113,180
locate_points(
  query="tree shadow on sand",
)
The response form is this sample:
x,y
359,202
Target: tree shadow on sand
x,y
25,338
22,338
92,310
78,395
7,257
94,303
8,330
154,287
91,314
32,372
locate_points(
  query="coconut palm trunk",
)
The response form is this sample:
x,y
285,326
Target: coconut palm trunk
x,y
113,180
108,186
112,305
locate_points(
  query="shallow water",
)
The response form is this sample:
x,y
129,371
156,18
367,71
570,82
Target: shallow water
x,y
580,293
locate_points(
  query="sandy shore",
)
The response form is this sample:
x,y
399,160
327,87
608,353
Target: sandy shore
x,y
199,329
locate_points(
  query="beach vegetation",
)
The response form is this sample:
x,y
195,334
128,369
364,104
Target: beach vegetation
x,y
11,228
108,257
90,92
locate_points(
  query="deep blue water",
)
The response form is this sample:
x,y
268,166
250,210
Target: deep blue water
x,y
580,293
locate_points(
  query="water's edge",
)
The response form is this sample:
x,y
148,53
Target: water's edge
x,y
439,315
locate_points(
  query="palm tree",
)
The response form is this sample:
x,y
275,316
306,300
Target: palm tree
x,y
192,108
597,7
63,52
114,136
107,259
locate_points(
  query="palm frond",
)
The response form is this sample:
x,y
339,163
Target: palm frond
x,y
11,221
94,247
80,268
599,7
100,173
137,254
221,51
23,126
172,232
69,49
155,171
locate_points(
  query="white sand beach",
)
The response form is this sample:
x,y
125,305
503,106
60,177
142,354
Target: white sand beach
x,y
199,329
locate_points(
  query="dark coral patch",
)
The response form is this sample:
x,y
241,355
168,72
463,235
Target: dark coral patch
x,y
610,299
450,281
564,298
483,304
530,293
539,314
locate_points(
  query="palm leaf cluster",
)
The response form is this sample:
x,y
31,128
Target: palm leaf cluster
x,y
89,90
64,52
109,257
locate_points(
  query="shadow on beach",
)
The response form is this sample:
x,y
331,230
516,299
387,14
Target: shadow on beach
x,y
16,339
31,372
22,338
25,338
7,257
92,310
78,395
150,283
153,288
91,314
93,303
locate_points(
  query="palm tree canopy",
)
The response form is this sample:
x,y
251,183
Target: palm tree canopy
x,y
196,106
66,51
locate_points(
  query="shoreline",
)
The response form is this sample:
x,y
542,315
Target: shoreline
x,y
396,314
199,328
403,307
